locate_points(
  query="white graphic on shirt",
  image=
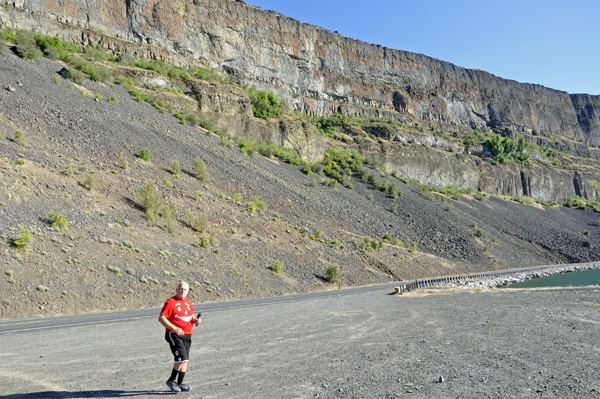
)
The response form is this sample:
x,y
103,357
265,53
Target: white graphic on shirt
x,y
183,314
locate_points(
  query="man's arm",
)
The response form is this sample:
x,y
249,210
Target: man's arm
x,y
167,324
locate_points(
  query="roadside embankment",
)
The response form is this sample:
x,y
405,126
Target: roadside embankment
x,y
518,277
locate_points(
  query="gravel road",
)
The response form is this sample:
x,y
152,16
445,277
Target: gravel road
x,y
498,343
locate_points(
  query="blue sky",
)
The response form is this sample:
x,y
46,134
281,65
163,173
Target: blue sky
x,y
552,43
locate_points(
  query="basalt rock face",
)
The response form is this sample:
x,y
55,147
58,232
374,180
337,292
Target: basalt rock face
x,y
322,73
306,64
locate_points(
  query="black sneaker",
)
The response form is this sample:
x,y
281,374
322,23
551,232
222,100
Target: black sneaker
x,y
184,387
173,385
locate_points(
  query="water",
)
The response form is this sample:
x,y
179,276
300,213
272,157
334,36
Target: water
x,y
575,279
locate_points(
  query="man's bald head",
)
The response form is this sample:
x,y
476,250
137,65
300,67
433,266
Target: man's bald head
x,y
182,290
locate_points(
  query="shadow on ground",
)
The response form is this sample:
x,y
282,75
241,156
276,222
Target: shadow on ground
x,y
85,394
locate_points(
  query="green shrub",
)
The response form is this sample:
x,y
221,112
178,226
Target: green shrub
x,y
398,243
95,72
226,143
264,104
20,162
369,244
145,155
574,202
196,223
58,221
412,247
237,197
26,46
24,240
152,201
307,170
524,200
454,192
179,116
113,99
259,203
337,243
333,273
41,288
248,147
167,216
20,138
69,171
8,34
370,197
90,181
201,170
206,242
55,79
277,267
394,191
504,150
203,122
387,238
54,47
74,76
167,182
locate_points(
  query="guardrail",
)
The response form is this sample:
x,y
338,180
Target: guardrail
x,y
432,282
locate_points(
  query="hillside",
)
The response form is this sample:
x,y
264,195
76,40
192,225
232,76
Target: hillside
x,y
56,133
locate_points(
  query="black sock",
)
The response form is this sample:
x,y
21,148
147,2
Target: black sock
x,y
180,378
173,375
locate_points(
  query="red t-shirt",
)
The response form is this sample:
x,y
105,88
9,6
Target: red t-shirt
x,y
180,313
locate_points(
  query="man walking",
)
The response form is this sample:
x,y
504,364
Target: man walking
x,y
177,316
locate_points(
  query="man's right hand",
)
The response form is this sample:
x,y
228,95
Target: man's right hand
x,y
179,331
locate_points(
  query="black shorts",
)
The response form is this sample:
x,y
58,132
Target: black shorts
x,y
180,346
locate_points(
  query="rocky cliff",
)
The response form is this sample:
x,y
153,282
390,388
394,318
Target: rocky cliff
x,y
303,62
321,73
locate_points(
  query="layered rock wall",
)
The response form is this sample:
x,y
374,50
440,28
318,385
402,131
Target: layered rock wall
x,y
306,64
322,72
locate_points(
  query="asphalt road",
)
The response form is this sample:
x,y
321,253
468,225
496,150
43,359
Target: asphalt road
x,y
345,344
66,321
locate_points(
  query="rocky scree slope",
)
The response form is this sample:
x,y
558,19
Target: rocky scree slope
x,y
111,258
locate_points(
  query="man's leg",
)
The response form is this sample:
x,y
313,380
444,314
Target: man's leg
x,y
179,351
187,343
181,367
181,376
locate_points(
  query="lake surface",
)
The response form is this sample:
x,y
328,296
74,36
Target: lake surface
x,y
575,279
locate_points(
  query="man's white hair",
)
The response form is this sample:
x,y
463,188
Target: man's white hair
x,y
183,283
